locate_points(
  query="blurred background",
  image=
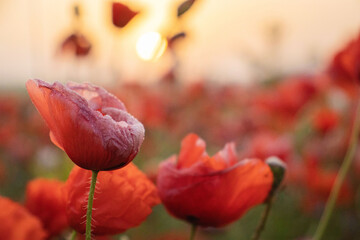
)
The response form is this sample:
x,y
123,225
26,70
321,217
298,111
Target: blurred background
x,y
227,41
273,76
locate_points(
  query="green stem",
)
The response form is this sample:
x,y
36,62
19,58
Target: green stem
x,y
330,204
262,222
90,204
193,231
73,235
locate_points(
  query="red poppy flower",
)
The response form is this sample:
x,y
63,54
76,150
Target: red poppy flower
x,y
17,223
76,44
211,191
91,125
44,199
123,199
121,14
345,67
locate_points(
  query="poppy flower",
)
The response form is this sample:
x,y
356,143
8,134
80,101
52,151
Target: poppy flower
x,y
17,223
76,44
123,199
91,125
44,199
121,14
345,66
211,191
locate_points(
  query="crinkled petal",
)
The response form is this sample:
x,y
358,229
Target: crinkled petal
x,y
113,211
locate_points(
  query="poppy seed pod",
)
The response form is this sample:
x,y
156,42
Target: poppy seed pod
x,y
91,125
211,191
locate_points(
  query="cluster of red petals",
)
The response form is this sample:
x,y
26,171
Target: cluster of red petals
x,y
121,14
345,67
76,44
211,191
123,199
91,125
45,200
17,223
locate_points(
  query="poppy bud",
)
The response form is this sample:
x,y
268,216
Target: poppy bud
x,y
278,169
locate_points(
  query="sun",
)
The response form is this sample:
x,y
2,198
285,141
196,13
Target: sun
x,y
150,46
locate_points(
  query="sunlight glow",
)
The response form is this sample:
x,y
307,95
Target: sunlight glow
x,y
150,46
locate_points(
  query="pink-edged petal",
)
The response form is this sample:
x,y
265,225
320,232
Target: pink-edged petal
x,y
97,97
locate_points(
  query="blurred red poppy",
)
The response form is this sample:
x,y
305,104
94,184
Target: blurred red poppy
x,y
123,199
345,66
91,125
44,199
211,191
121,14
325,120
76,44
17,223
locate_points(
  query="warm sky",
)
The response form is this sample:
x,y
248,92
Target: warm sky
x,y
227,40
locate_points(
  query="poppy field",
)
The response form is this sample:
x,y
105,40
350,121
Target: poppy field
x,y
275,159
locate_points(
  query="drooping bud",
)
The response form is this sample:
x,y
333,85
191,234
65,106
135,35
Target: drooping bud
x,y
278,169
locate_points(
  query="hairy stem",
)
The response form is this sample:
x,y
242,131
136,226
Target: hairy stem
x,y
90,204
